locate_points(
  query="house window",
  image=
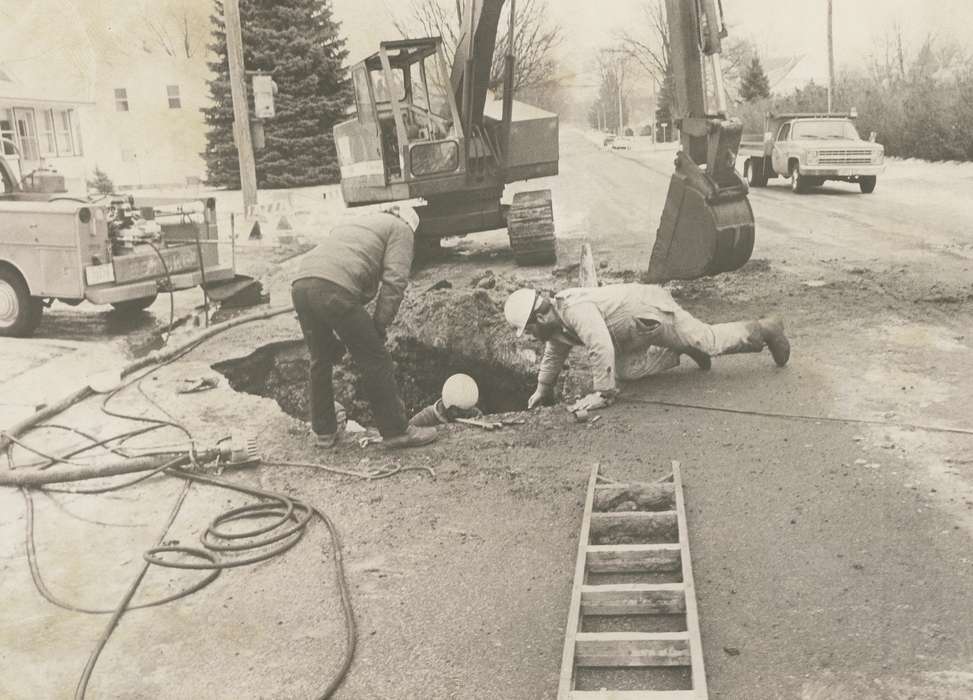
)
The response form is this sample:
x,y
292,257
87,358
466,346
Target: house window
x,y
76,124
7,135
65,132
172,91
48,138
27,133
121,100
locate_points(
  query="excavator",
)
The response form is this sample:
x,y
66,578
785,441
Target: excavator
x,y
418,133
422,133
707,224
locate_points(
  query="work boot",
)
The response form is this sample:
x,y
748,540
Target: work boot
x,y
412,437
327,440
772,333
699,357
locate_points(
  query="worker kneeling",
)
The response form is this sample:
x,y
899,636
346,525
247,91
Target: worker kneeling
x,y
459,398
333,284
630,331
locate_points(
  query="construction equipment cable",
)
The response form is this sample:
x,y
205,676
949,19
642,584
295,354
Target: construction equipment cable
x,y
172,301
290,519
804,417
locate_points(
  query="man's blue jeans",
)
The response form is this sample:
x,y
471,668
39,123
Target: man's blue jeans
x,y
326,310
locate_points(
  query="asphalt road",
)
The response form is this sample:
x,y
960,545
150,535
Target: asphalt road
x,y
832,537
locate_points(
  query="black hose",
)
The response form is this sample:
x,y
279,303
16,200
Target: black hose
x,y
172,301
89,667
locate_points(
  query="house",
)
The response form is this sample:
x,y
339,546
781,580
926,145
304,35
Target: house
x,y
126,85
145,126
40,128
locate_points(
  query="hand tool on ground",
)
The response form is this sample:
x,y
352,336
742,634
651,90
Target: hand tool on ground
x,y
369,440
486,425
650,518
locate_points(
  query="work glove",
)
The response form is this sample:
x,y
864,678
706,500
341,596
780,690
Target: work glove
x,y
544,395
594,400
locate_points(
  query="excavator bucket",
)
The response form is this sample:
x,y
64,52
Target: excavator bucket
x,y
707,224
700,236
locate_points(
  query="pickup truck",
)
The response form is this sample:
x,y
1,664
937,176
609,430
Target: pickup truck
x,y
116,251
810,149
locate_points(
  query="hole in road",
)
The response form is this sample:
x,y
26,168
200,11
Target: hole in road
x,y
279,371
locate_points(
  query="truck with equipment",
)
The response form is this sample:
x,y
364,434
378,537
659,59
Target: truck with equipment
x,y
115,250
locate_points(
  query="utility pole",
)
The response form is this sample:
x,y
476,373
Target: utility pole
x,y
830,55
618,70
619,81
241,113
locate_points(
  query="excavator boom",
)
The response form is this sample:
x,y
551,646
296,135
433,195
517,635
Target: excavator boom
x,y
707,224
473,59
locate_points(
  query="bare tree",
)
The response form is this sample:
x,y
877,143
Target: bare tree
x,y
648,44
536,37
176,28
613,65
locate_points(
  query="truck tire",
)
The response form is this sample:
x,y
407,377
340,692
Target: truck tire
x,y
530,227
866,183
130,307
20,313
799,183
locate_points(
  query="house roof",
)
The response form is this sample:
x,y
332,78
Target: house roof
x,y
12,89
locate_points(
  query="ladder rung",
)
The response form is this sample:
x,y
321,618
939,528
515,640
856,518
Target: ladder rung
x,y
633,695
619,558
643,496
634,599
604,649
641,525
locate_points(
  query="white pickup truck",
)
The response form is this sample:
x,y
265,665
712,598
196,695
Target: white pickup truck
x,y
810,149
114,251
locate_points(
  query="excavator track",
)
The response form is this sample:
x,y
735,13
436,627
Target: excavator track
x,y
530,226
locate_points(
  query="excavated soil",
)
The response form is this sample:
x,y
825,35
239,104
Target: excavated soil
x,y
438,332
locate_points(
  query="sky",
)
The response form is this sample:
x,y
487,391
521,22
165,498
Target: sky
x,y
776,27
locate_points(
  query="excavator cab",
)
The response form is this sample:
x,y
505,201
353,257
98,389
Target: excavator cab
x,y
407,127
422,131
707,224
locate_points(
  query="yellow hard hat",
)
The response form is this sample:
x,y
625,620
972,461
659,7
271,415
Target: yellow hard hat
x,y
518,308
460,391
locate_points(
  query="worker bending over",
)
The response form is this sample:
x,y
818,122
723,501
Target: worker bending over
x,y
370,257
630,331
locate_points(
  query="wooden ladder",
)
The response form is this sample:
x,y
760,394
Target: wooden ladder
x,y
651,519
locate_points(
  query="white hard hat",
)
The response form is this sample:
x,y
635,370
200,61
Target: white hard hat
x,y
407,214
518,308
460,391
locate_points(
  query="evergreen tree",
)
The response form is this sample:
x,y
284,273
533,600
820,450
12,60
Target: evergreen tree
x,y
665,102
754,85
297,42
